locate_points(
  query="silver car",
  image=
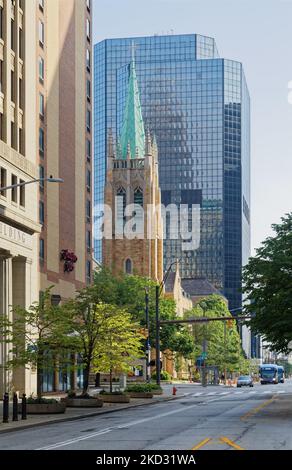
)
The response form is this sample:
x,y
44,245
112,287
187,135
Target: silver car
x,y
245,381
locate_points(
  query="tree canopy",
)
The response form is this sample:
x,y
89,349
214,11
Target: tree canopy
x,y
222,350
268,287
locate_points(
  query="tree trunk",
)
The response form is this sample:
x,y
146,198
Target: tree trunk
x,y
111,381
86,379
40,365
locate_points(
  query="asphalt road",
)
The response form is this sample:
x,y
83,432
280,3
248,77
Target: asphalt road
x,y
211,418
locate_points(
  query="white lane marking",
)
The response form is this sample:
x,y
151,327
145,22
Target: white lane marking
x,y
281,391
72,441
211,393
197,394
224,393
131,423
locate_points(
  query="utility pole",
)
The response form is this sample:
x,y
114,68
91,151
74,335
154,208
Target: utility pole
x,y
204,377
225,345
157,294
148,349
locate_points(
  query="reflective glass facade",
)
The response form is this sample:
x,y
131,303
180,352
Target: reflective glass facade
x,y
197,104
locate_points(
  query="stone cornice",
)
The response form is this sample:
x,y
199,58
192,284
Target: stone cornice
x,y
18,160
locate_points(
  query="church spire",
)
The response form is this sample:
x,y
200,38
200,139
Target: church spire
x,y
133,132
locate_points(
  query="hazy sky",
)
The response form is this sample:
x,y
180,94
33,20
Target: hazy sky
x,y
259,34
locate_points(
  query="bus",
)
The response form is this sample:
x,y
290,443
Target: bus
x,y
281,374
269,374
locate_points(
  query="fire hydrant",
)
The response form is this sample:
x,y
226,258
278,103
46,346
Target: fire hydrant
x,y
174,390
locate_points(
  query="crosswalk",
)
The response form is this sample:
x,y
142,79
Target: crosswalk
x,y
235,392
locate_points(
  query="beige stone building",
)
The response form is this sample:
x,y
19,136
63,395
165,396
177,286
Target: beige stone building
x,y
45,129
133,241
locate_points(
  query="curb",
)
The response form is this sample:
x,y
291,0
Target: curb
x,y
89,415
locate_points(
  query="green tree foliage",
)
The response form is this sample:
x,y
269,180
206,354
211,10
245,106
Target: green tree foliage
x,y
268,287
129,292
37,337
95,327
120,343
223,350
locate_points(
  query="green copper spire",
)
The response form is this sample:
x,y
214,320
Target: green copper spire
x,y
133,132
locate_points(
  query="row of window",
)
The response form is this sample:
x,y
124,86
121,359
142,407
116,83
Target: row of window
x,y
18,193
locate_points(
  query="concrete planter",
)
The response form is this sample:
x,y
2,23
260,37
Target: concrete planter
x,y
115,398
44,408
157,392
83,402
141,394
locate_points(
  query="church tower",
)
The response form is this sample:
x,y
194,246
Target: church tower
x,y
133,241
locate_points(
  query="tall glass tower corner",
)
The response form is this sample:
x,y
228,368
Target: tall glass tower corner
x,y
197,105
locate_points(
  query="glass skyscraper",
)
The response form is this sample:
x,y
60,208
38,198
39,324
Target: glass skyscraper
x,y
197,105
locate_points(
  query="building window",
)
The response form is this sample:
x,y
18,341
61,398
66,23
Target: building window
x,y
22,194
88,180
21,141
88,272
41,33
88,120
1,75
42,250
14,190
13,136
41,213
1,127
42,105
12,87
1,23
88,90
88,60
12,35
21,94
21,48
120,208
42,177
88,210
88,29
88,241
3,181
88,150
41,142
128,266
138,197
41,70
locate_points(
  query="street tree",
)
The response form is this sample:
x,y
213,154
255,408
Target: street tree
x,y
268,287
223,345
37,337
121,343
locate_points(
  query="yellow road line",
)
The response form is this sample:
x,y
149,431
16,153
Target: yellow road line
x,y
258,408
231,443
201,444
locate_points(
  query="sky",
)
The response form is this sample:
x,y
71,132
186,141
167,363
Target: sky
x,y
257,33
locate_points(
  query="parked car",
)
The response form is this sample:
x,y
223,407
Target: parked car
x,y
245,381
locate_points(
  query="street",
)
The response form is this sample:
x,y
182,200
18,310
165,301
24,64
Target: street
x,y
213,418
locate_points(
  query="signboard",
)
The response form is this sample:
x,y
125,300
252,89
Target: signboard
x,y
15,235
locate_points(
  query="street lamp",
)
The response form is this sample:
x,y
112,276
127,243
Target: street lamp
x,y
148,349
158,291
51,179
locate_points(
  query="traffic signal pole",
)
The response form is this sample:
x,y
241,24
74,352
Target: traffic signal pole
x,y
157,294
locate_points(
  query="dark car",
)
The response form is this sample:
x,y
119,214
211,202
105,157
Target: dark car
x,y
245,381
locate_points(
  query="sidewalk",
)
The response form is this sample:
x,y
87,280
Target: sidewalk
x,y
72,414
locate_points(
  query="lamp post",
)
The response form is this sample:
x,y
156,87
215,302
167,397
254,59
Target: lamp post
x,y
158,291
148,349
51,179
